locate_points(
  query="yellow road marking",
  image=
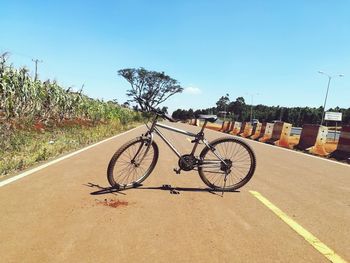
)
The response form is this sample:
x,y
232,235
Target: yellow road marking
x,y
314,241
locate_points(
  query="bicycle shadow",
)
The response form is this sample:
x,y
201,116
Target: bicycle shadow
x,y
165,187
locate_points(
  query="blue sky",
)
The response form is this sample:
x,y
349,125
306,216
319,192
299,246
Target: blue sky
x,y
270,48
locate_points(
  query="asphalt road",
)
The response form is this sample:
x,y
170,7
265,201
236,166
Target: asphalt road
x,y
60,214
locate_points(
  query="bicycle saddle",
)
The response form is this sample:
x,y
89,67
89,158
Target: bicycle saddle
x,y
210,118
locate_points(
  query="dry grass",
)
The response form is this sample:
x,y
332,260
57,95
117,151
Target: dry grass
x,y
22,148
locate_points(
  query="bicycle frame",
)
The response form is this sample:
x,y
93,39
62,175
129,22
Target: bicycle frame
x,y
199,137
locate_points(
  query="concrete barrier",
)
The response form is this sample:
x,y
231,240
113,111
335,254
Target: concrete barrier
x,y
213,126
236,128
246,130
194,122
313,138
241,130
262,131
197,122
280,134
225,126
343,149
267,133
228,127
222,126
256,131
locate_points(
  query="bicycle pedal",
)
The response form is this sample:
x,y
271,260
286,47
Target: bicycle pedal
x,y
174,192
177,171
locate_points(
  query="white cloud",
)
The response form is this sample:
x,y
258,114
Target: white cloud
x,y
192,90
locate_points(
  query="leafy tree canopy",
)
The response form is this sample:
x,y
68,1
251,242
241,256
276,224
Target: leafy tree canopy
x,y
152,86
223,102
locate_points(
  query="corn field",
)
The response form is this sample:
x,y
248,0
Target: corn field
x,y
23,99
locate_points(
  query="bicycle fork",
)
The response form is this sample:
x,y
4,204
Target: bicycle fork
x,y
149,141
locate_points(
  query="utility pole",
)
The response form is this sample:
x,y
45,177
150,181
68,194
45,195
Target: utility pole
x,y
281,114
251,109
228,98
36,61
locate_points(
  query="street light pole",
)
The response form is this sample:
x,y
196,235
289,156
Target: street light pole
x,y
251,107
225,113
281,114
325,100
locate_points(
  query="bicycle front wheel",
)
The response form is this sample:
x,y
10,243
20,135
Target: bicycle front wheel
x,y
239,157
132,163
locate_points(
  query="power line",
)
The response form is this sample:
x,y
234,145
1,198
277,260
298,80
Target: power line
x,y
14,52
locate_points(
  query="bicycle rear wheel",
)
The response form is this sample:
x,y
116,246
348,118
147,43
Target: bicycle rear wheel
x,y
132,163
234,152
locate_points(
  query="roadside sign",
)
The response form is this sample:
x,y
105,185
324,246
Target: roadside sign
x,y
333,116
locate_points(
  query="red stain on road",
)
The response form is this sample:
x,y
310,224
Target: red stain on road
x,y
112,203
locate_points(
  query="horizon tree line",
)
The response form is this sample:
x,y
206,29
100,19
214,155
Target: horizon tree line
x,y
238,110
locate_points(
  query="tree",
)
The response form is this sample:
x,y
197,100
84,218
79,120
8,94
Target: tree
x,y
152,86
180,114
237,107
126,104
190,114
223,102
298,116
165,110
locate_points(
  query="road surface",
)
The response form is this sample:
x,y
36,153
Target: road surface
x,y
59,214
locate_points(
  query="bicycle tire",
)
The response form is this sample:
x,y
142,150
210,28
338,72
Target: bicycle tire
x,y
235,144
122,152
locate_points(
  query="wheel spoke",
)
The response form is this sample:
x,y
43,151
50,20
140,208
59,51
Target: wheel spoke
x,y
234,152
132,164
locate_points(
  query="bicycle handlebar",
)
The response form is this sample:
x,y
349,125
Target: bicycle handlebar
x,y
156,111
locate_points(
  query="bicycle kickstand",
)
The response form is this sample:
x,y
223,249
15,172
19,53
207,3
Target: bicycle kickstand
x,y
223,189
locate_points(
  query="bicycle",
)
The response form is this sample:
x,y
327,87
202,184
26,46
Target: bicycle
x,y
224,164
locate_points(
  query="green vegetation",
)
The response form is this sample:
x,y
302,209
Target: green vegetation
x,y
23,148
39,120
25,100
